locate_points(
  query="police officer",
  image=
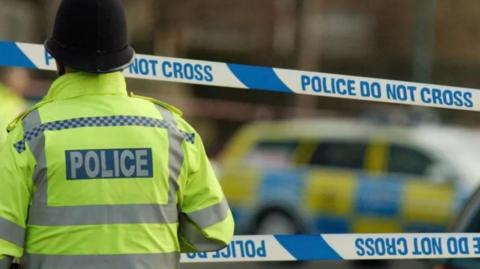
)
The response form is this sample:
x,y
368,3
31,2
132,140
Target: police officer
x,y
94,178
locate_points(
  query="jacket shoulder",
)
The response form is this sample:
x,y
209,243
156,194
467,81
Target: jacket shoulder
x,y
14,123
160,103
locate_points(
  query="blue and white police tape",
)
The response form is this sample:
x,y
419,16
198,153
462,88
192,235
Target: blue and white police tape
x,y
266,78
339,247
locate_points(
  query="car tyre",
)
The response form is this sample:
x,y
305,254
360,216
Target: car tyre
x,y
276,222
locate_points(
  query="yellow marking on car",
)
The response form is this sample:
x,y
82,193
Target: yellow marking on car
x,y
376,157
241,185
427,202
363,224
331,192
304,152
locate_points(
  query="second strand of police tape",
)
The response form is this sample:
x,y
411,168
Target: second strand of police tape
x,y
338,247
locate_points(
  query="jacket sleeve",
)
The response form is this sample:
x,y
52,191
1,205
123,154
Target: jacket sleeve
x,y
15,191
5,262
206,222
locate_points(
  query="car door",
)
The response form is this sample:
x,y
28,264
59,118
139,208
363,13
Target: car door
x,y
426,205
332,182
373,186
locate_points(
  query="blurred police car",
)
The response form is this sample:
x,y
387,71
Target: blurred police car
x,y
347,176
468,221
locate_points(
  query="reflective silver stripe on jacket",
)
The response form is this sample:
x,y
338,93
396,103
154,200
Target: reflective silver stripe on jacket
x,y
37,146
125,261
5,263
211,215
196,238
12,232
175,153
104,214
41,214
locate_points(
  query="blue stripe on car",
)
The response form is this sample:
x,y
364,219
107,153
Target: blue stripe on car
x,y
379,196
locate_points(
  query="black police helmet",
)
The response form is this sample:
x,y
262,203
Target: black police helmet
x,y
91,36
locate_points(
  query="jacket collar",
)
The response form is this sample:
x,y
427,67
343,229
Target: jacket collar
x,y
78,84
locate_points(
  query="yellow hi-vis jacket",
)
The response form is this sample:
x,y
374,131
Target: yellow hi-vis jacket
x,y
94,178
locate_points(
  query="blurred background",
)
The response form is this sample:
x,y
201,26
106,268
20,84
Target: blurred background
x,y
292,164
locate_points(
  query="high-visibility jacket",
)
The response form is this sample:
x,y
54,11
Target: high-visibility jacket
x,y
11,106
94,178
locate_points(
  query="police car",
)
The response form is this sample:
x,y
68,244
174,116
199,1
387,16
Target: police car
x,y
347,176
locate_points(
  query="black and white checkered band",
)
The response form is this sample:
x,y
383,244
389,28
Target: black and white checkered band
x,y
110,121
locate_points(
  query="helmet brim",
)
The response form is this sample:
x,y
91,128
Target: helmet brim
x,y
98,62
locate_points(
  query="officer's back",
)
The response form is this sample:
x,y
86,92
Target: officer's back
x,y
93,177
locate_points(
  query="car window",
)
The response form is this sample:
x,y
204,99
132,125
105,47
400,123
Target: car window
x,y
342,154
272,154
408,160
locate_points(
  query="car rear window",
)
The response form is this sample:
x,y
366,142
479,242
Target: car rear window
x,y
408,160
342,154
